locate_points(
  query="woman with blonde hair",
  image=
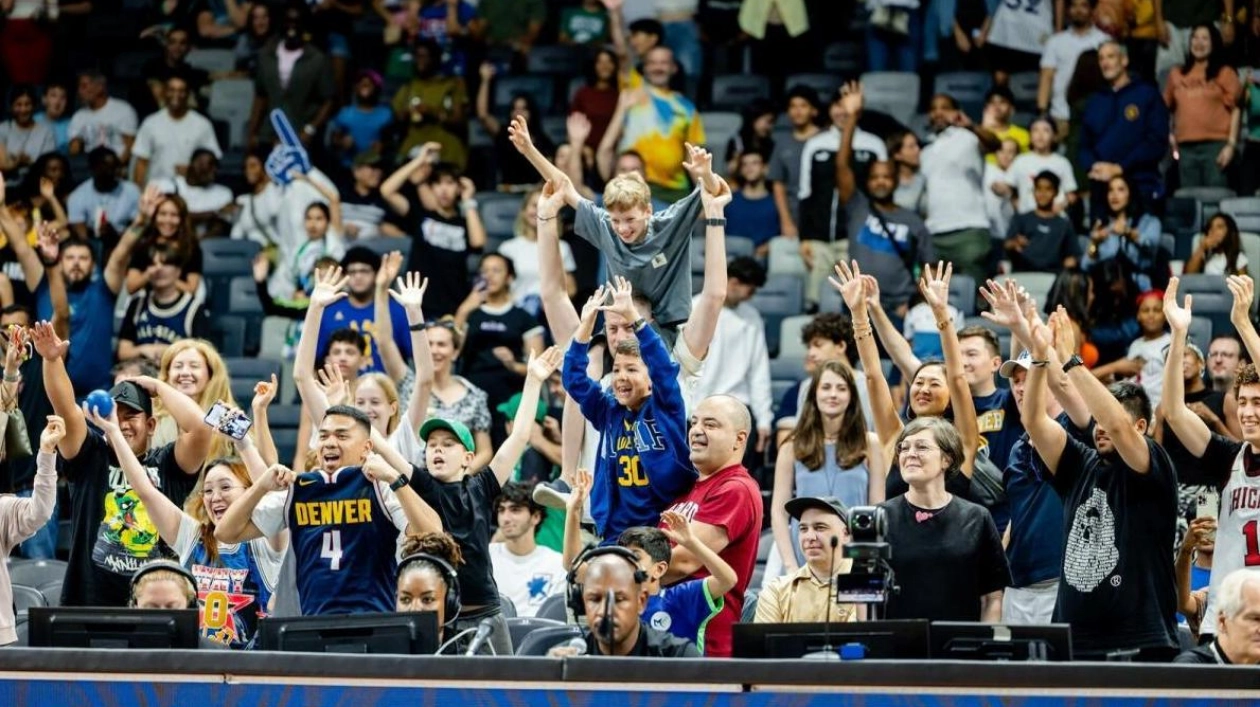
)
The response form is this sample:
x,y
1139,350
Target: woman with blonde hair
x,y
231,601
194,368
829,454
522,250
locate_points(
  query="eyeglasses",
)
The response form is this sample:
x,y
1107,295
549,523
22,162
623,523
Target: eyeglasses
x,y
207,492
918,449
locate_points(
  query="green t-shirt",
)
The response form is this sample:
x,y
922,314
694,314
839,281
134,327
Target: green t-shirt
x,y
507,20
584,26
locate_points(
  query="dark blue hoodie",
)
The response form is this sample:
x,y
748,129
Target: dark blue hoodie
x,y
1129,127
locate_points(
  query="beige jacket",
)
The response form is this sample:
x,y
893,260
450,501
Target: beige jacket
x,y
19,519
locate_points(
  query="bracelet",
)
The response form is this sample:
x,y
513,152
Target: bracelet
x,y
12,378
942,326
418,326
1040,364
547,218
716,222
467,205
639,324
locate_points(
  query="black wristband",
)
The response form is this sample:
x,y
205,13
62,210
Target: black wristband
x,y
1073,363
715,222
419,326
400,482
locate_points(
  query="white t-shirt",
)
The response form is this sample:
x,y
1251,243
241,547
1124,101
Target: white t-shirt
x,y
104,127
524,256
954,169
291,234
166,142
527,579
998,209
1151,377
1024,26
258,218
1060,53
1216,264
1028,165
200,200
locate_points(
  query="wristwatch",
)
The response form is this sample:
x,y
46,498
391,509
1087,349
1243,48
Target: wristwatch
x,y
400,482
1072,363
715,222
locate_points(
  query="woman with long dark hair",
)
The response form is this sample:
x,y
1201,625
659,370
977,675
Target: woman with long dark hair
x,y
515,171
1128,234
169,224
1203,96
597,100
1220,249
22,140
828,454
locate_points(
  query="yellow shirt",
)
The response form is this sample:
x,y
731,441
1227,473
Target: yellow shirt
x,y
800,598
1013,132
657,126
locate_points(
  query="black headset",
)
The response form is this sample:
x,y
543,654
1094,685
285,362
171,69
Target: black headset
x,y
453,605
576,603
167,566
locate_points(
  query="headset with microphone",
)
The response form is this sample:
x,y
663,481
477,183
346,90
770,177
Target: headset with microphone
x,y
451,577
166,566
576,604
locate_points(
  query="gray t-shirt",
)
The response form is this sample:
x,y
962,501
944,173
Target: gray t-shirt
x,y
33,142
660,266
785,168
888,245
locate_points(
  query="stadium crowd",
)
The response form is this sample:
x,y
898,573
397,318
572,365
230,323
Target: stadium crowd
x,y
566,302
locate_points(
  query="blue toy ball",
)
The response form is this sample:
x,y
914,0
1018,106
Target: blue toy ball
x,y
101,402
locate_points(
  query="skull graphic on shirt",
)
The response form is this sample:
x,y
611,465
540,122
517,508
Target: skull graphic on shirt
x,y
1090,554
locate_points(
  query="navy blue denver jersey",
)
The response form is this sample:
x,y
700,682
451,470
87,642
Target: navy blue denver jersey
x,y
344,541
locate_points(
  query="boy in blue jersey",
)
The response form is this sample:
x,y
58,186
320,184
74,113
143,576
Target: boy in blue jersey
x,y
643,460
685,608
465,497
344,519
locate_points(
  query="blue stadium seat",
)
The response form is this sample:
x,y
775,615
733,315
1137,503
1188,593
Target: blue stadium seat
x,y
1200,332
540,88
740,247
507,606
1245,210
736,91
228,334
893,92
213,61
962,293
34,573
51,592
844,58
25,597
1182,215
555,60
521,626
499,217
242,297
1024,86
1209,197
254,369
284,416
286,444
966,87
781,297
540,641
825,84
554,608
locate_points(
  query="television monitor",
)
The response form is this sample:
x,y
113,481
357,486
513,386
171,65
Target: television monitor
x,y
399,634
952,640
902,639
90,627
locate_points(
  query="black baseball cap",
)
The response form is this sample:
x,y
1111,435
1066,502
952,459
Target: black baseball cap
x,y
828,504
133,396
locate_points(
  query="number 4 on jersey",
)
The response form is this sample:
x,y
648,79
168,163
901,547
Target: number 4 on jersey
x,y
332,549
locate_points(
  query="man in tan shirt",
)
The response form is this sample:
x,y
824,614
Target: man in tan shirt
x,y
804,595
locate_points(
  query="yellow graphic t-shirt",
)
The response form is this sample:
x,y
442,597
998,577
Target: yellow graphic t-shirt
x,y
656,127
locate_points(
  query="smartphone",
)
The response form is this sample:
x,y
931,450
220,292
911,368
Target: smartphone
x,y
232,423
480,284
1208,505
215,414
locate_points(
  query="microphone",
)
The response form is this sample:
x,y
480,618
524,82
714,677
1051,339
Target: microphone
x,y
484,630
828,651
606,622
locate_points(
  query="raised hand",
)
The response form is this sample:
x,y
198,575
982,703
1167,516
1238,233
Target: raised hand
x,y
578,128
699,164
47,188
1041,338
591,309
1244,291
330,286
276,477
334,385
1064,334
518,134
623,301
871,287
107,424
851,98
1178,317
716,202
613,5
677,529
16,351
261,267
543,365
53,433
467,189
935,286
487,71
149,201
410,294
552,198
849,283
265,392
48,345
1004,306
581,489
390,265
375,468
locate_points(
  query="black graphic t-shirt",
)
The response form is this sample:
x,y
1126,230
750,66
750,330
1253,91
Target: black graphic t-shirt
x,y
111,532
1118,589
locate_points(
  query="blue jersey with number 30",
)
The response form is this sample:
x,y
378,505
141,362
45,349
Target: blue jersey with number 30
x,y
344,541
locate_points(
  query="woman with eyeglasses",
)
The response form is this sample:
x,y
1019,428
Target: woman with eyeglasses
x,y
234,580
947,557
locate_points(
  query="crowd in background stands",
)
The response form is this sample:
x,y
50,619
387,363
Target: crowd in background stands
x,y
683,279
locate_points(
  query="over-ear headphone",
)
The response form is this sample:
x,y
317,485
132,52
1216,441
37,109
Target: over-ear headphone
x,y
453,605
165,565
576,604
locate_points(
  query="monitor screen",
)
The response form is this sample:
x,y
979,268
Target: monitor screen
x,y
85,627
905,640
402,634
978,641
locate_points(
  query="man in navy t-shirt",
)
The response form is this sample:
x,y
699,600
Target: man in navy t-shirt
x,y
996,412
358,310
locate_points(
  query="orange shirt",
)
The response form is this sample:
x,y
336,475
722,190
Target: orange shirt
x,y
1201,109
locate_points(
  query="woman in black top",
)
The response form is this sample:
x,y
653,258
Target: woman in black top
x,y
514,170
947,556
